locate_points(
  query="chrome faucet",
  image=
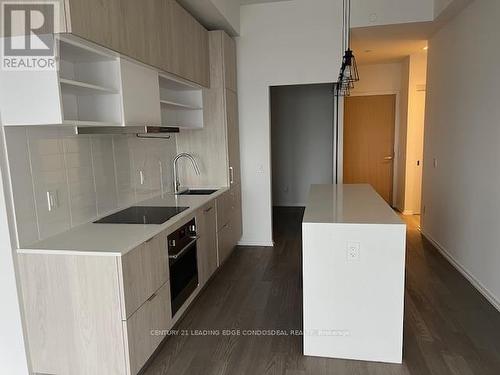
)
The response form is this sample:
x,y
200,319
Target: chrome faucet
x,y
177,183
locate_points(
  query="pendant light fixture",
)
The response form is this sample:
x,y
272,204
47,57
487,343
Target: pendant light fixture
x,y
349,69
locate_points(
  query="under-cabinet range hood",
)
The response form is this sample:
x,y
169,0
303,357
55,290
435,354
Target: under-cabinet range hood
x,y
140,131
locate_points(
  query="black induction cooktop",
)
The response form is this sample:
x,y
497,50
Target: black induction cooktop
x,y
142,215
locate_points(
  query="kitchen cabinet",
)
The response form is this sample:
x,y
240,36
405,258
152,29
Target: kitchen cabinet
x,y
233,138
229,222
92,87
189,50
143,271
159,33
93,312
98,21
217,144
224,244
86,90
154,314
141,96
207,244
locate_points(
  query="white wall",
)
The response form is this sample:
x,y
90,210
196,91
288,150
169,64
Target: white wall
x,y
415,132
230,10
440,6
378,78
91,175
216,14
461,194
387,12
302,141
283,43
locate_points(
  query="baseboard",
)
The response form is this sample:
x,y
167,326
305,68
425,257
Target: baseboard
x,y
475,282
252,243
408,212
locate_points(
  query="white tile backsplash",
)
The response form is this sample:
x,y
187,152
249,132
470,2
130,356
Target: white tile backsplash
x,y
89,176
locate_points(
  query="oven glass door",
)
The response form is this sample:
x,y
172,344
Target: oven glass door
x,y
183,276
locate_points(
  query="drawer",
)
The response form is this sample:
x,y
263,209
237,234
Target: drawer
x,y
154,315
223,209
143,271
227,204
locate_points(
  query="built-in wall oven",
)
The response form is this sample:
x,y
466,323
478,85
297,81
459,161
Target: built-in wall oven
x,y
183,264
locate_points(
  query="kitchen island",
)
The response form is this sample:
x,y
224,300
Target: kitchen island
x,y
354,273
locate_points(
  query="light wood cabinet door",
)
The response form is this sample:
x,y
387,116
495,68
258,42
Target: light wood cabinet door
x,y
141,25
223,209
143,328
236,217
189,50
233,137
143,271
229,50
224,245
207,245
96,20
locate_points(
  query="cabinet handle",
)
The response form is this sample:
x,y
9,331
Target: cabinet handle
x,y
152,297
208,209
231,174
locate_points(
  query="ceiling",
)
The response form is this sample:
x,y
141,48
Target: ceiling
x,y
385,44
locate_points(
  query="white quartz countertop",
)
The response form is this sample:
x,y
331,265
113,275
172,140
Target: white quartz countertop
x,y
348,204
118,239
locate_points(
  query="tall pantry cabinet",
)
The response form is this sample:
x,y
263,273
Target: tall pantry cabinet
x,y
216,146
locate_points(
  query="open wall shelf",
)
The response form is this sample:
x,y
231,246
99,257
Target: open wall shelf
x,y
181,104
89,82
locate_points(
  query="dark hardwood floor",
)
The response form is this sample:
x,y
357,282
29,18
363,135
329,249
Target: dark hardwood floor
x,y
450,329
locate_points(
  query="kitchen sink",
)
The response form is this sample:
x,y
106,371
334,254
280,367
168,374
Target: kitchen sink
x,y
198,192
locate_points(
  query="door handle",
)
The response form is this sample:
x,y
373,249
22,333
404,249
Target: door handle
x,y
388,158
231,175
185,248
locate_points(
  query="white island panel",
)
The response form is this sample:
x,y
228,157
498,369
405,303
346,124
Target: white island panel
x,y
353,304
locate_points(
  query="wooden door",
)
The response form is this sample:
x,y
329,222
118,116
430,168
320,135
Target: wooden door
x,y
369,142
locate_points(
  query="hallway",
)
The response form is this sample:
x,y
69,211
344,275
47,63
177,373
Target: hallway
x,y
449,327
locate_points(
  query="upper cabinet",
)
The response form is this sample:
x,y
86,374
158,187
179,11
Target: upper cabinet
x,y
159,33
140,92
86,90
92,87
96,20
189,50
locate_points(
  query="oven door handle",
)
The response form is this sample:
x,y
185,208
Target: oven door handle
x,y
184,249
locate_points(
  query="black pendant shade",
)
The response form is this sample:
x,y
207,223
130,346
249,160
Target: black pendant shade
x,y
349,69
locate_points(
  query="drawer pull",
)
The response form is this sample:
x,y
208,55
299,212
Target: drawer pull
x,y
152,297
208,209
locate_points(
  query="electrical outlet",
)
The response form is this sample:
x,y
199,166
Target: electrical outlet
x,y
353,252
